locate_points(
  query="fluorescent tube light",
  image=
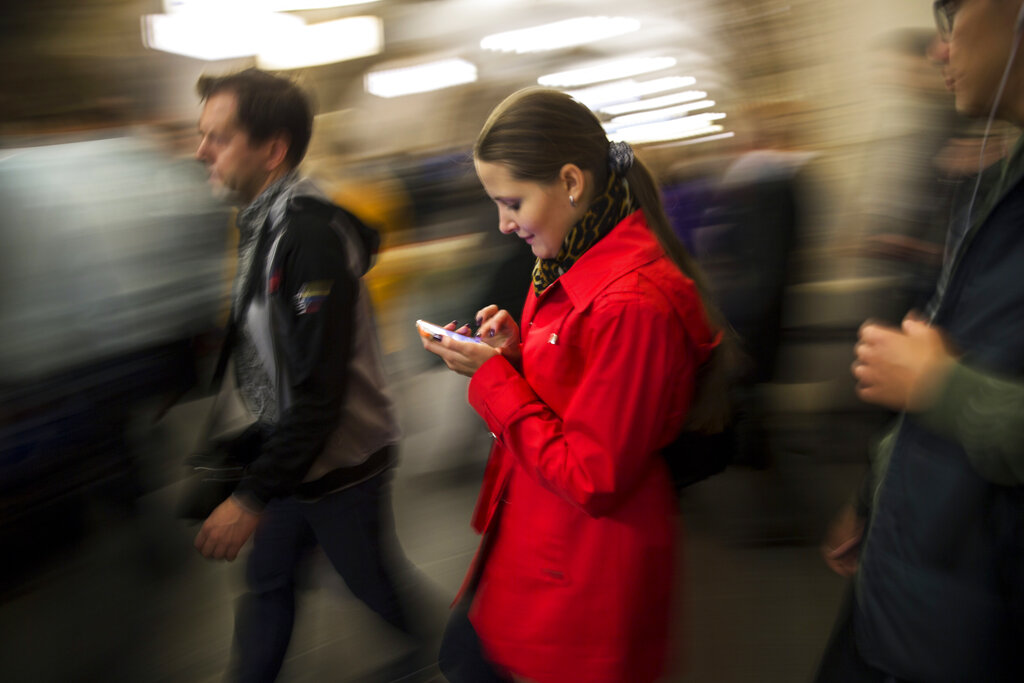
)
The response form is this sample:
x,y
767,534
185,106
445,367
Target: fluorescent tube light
x,y
324,43
629,90
661,114
697,141
420,78
298,5
560,34
251,6
621,68
654,102
214,35
636,136
676,129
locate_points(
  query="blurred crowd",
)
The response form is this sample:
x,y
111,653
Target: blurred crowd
x,y
827,206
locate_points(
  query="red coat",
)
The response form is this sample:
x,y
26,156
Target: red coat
x,y
576,501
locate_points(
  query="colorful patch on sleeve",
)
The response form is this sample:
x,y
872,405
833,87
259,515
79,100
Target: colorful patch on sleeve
x,y
311,296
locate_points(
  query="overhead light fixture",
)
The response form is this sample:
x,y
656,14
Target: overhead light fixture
x,y
214,35
629,90
324,43
661,114
420,78
675,129
249,6
607,71
560,34
654,102
697,141
635,136
299,5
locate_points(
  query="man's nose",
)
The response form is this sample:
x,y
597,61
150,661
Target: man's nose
x,y
202,150
938,50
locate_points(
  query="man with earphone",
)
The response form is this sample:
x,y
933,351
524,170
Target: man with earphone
x,y
934,543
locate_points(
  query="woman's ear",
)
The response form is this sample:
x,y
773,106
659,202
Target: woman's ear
x,y
574,180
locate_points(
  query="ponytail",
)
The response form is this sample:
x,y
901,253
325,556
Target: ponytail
x,y
710,411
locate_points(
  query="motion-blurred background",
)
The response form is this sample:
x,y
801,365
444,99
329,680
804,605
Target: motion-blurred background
x,y
808,154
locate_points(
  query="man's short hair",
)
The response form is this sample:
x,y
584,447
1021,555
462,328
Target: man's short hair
x,y
267,106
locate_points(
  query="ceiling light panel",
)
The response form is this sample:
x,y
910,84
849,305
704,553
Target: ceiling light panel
x,y
607,71
629,90
661,114
654,102
324,43
560,34
675,129
420,78
212,35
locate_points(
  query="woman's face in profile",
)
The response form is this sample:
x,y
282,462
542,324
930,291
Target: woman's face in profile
x,y
540,214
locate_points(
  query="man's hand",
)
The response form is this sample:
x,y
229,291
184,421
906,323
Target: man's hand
x,y
225,531
901,369
841,547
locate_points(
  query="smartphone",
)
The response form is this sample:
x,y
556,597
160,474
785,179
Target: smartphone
x,y
429,330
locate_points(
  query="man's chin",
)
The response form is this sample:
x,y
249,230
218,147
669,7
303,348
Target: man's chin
x,y
224,193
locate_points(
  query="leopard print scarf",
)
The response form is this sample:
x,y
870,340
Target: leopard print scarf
x,y
605,212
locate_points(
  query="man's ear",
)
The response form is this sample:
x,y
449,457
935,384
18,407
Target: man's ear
x,y
277,151
574,180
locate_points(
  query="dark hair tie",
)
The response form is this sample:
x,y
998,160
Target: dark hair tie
x,y
620,157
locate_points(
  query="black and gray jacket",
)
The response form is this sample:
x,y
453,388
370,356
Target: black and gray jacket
x,y
311,324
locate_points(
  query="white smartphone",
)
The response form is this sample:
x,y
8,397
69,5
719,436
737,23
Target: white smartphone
x,y
431,330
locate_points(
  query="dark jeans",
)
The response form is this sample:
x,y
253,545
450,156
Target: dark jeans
x,y
842,662
356,530
462,657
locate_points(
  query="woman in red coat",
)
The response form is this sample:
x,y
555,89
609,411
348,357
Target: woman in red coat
x,y
573,581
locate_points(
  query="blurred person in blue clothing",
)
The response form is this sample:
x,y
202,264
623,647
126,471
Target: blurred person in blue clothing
x,y
752,226
111,268
935,541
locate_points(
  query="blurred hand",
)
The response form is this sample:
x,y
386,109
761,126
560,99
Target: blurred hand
x,y
499,329
225,531
498,332
901,368
464,357
841,546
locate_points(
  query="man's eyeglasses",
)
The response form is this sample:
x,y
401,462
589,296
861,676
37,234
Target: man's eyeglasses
x,y
944,11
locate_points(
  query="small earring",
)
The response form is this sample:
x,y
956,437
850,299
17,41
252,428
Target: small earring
x,y
572,200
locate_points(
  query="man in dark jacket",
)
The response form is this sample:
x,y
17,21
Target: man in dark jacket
x,y
936,542
309,368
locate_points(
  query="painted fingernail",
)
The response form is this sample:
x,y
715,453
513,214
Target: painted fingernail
x,y
454,322
479,320
490,333
436,337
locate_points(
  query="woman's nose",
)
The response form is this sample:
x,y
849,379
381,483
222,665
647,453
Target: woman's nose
x,y
506,225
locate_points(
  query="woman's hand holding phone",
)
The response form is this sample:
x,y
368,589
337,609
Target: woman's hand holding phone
x,y
497,330
464,356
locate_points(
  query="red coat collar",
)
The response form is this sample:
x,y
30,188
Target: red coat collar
x,y
629,245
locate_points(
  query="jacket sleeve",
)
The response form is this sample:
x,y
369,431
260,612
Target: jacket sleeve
x,y
984,413
313,342
631,397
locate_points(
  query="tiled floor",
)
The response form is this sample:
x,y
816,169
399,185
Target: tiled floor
x,y
132,602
